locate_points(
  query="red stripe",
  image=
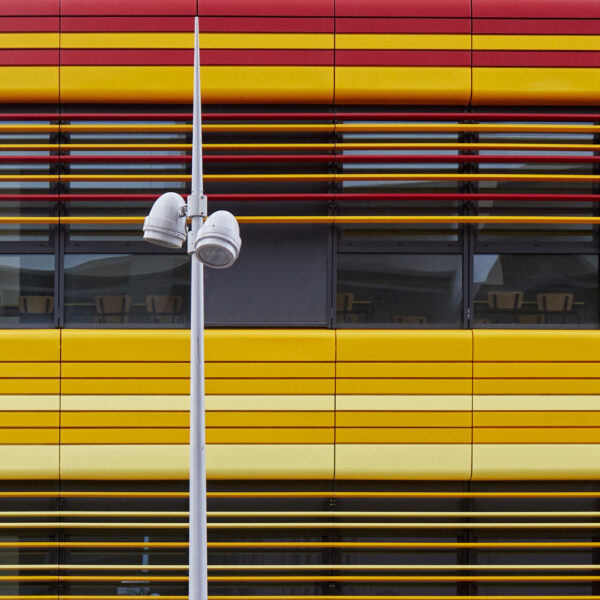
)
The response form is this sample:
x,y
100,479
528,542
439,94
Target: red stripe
x,y
391,25
266,8
403,8
115,24
29,8
29,57
411,58
536,26
267,24
186,57
127,7
532,9
29,24
503,58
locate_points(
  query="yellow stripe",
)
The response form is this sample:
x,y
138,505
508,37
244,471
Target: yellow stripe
x,y
536,42
270,436
541,435
269,419
531,370
270,386
134,419
408,435
393,403
242,41
36,418
125,386
402,419
139,435
403,386
29,386
399,41
524,418
29,40
24,436
32,370
536,403
536,386
400,370
39,402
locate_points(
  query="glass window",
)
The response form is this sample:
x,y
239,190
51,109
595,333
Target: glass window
x,y
536,289
402,289
115,289
27,290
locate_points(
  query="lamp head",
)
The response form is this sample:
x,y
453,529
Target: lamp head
x,y
218,242
166,224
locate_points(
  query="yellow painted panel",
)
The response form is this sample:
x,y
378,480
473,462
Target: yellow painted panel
x,y
404,461
404,369
419,402
270,369
125,369
536,461
128,402
541,369
536,42
271,402
34,418
402,85
402,41
403,435
29,436
228,84
395,345
29,40
28,462
18,345
538,435
523,418
536,386
39,402
95,462
546,402
270,386
278,461
535,85
125,419
242,41
403,386
269,419
125,386
29,84
29,386
125,436
39,369
403,419
269,436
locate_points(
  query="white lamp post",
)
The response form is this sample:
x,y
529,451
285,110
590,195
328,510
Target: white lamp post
x,y
215,243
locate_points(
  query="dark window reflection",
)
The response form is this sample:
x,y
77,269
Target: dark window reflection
x,y
27,290
403,289
113,289
536,289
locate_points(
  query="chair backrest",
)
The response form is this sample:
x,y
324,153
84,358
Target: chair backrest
x,y
555,302
344,302
505,300
157,304
409,319
113,305
36,305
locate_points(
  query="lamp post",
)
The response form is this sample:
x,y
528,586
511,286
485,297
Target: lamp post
x,y
216,243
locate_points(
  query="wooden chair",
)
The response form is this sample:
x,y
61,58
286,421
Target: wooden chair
x,y
504,301
417,319
164,309
555,303
36,305
113,309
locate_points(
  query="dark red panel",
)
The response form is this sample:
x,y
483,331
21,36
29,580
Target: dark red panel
x,y
501,58
128,7
533,9
29,24
22,57
266,8
403,8
186,57
409,58
416,25
90,24
267,24
29,8
536,26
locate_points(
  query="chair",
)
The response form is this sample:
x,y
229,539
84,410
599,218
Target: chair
x,y
344,308
505,301
36,305
113,309
409,319
164,309
557,303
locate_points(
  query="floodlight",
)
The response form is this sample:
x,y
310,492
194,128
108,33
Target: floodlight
x,y
218,242
166,223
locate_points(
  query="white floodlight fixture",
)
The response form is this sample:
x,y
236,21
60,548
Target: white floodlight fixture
x,y
166,224
218,241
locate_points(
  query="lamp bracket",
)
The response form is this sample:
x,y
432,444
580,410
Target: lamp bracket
x,y
196,206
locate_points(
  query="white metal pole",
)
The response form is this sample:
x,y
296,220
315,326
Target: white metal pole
x,y
198,586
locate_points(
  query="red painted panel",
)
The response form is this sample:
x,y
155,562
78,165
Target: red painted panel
x,y
90,24
267,24
535,59
266,8
532,9
128,7
391,25
404,8
207,57
29,8
18,58
405,58
536,26
29,24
